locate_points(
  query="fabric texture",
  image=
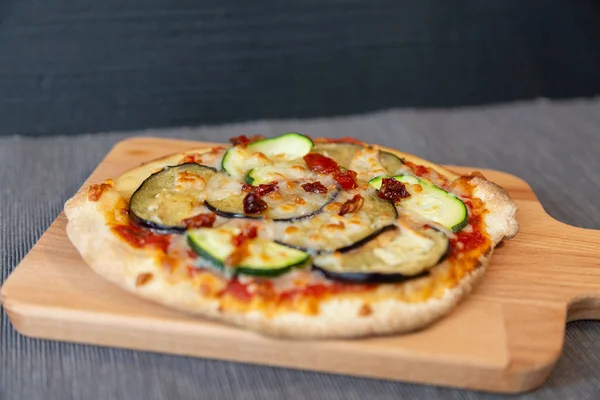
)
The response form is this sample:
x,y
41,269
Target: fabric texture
x,y
553,146
89,65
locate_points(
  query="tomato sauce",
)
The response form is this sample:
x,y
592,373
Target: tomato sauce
x,y
138,237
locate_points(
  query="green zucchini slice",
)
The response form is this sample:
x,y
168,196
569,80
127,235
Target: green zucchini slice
x,y
289,146
432,202
169,196
240,159
264,257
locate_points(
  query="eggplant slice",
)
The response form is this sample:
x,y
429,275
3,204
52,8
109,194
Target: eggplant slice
x,y
393,256
343,153
291,202
328,232
169,196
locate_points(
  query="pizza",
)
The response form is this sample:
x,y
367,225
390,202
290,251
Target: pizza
x,y
295,237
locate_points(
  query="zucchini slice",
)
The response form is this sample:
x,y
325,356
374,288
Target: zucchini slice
x,y
268,174
329,231
393,256
263,257
240,159
290,203
431,202
289,146
169,196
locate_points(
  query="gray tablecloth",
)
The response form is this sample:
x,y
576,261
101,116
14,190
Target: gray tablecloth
x,y
555,147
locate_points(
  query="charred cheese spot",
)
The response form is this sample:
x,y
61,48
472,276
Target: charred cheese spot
x,y
95,191
291,229
300,201
365,310
143,279
333,207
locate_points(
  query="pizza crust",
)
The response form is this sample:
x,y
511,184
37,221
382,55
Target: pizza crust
x,y
338,317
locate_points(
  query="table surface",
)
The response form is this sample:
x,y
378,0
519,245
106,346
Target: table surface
x,y
553,146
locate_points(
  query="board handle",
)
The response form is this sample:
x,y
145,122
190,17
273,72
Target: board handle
x,y
583,247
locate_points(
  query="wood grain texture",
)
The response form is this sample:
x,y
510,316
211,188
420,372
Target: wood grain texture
x,y
505,337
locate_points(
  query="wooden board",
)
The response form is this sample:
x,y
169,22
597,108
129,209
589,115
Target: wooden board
x,y
505,337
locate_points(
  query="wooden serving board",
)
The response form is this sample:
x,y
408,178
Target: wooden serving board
x,y
505,337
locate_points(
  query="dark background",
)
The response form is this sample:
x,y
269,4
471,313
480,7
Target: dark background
x,y
98,65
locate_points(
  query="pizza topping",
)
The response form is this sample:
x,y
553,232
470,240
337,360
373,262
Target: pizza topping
x,y
392,190
205,220
258,257
344,152
427,201
169,197
280,202
317,234
143,279
393,256
253,204
263,190
346,179
95,191
243,140
314,187
139,237
352,205
321,164
238,160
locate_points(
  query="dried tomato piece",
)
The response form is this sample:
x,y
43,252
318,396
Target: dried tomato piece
x,y
392,190
253,204
265,189
241,241
200,221
346,179
244,140
352,205
321,164
314,187
248,232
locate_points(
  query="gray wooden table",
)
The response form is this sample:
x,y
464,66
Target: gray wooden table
x,y
555,147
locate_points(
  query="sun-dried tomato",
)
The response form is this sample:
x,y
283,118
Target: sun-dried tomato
x,y
265,189
346,179
241,241
392,190
314,187
352,205
248,232
200,221
321,164
253,204
244,140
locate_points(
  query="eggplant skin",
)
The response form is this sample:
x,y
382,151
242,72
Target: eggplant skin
x,y
158,228
353,246
227,214
366,278
366,239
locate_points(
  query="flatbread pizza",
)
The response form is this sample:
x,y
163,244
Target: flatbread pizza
x,y
295,237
